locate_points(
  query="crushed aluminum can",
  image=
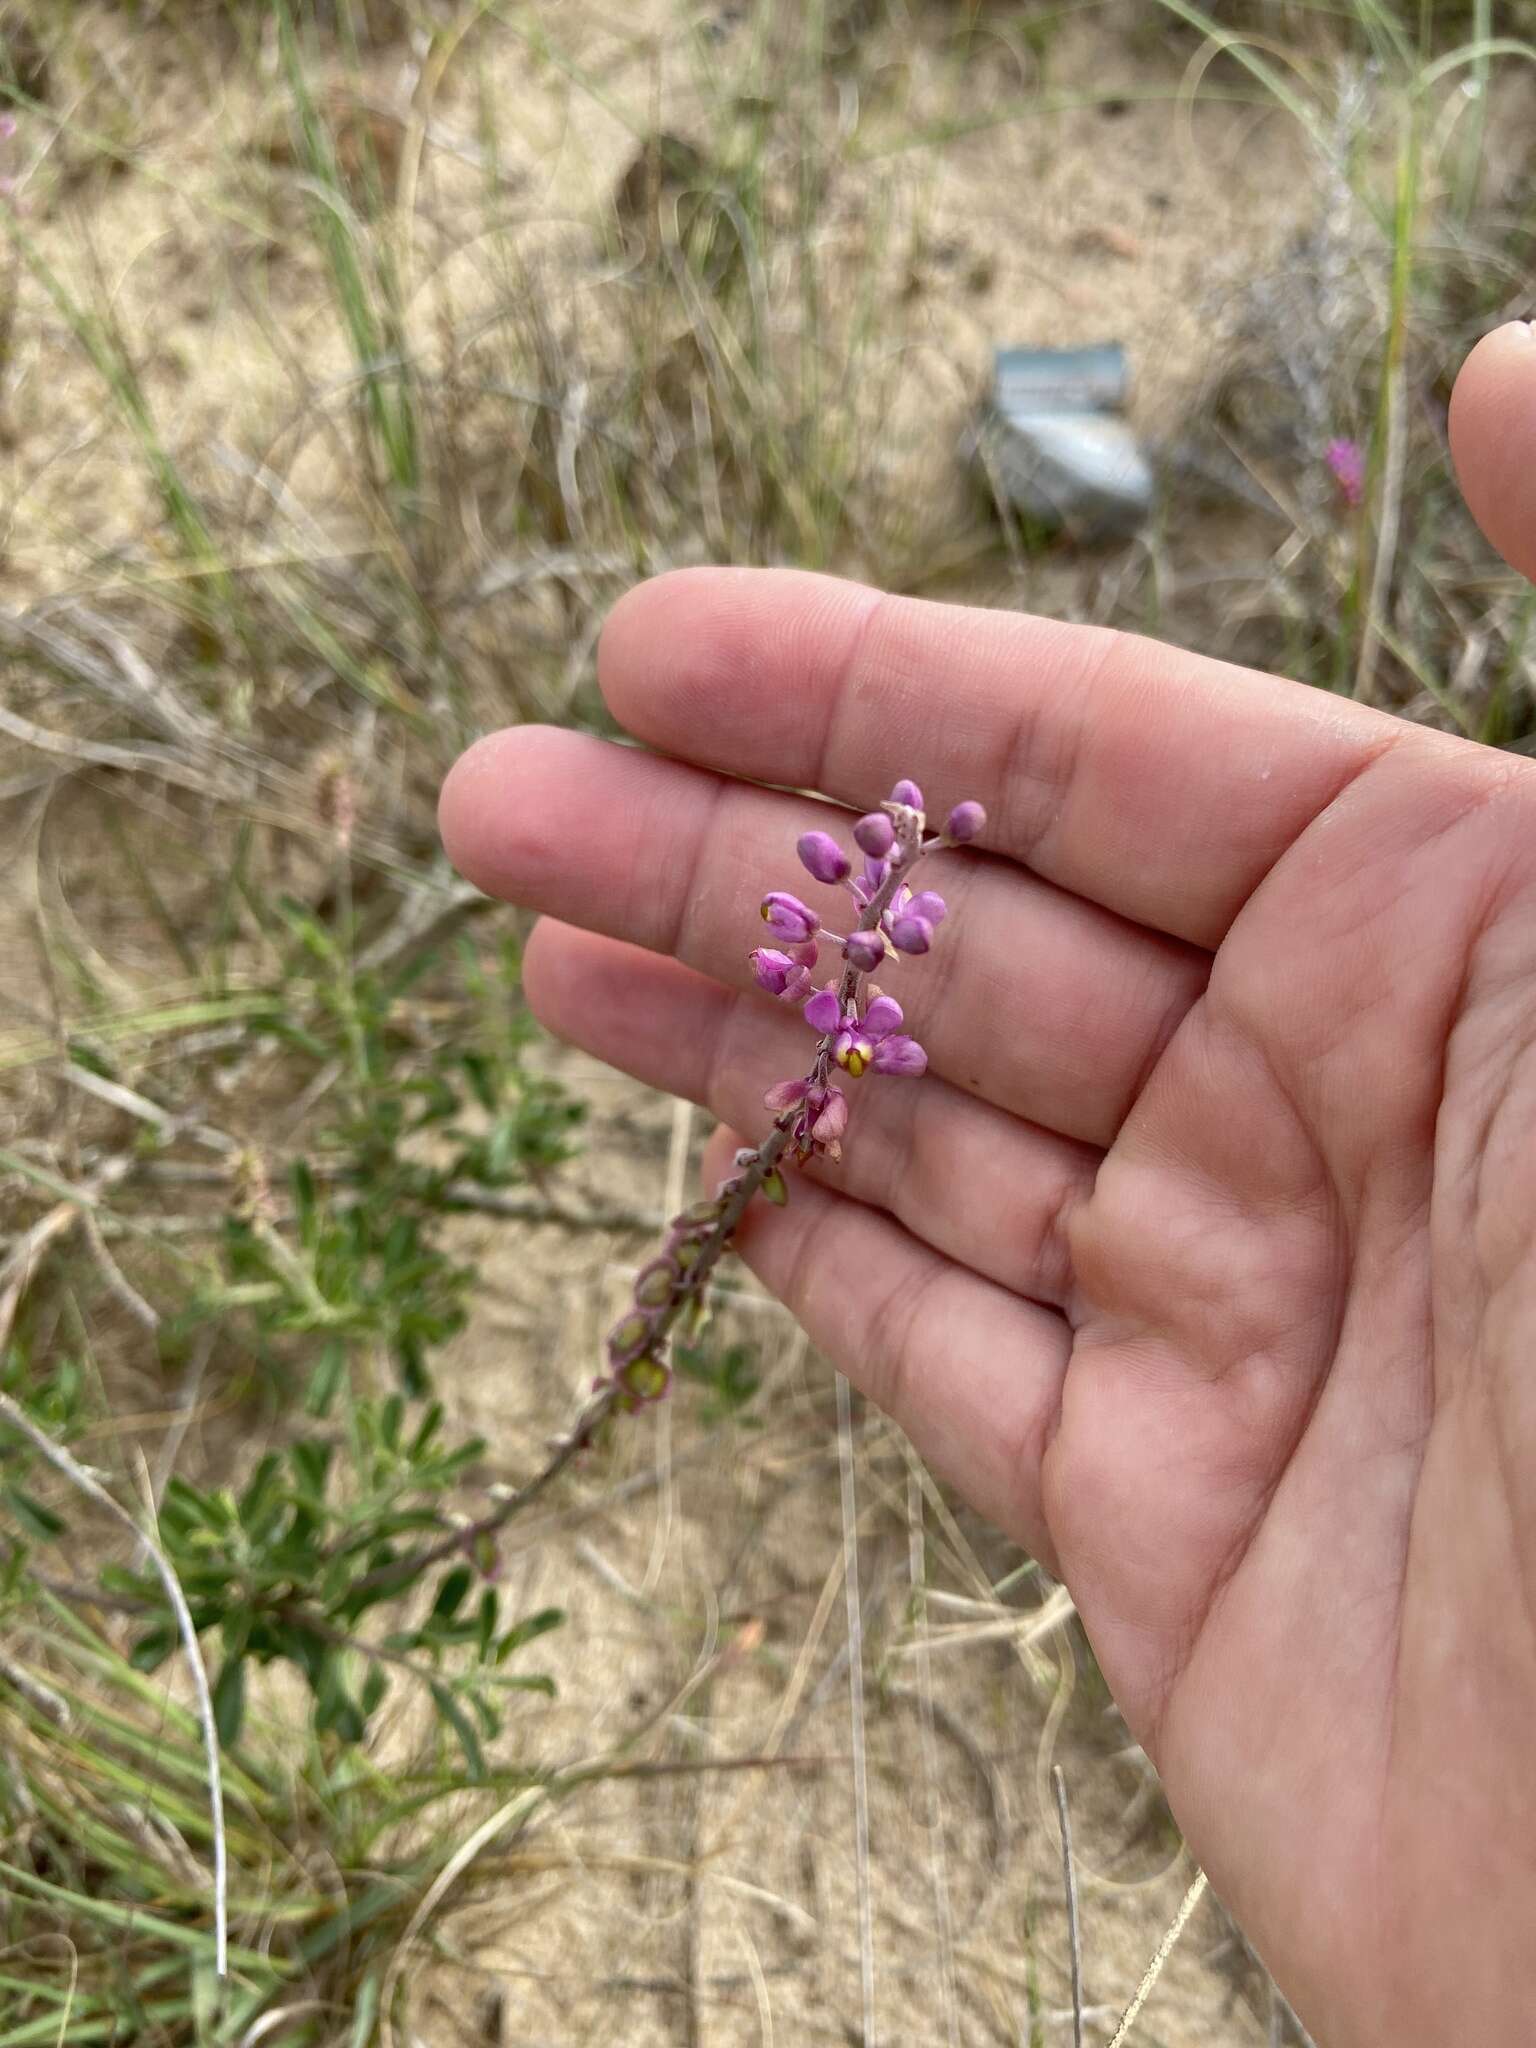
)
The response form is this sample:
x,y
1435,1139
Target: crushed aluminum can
x,y
1053,443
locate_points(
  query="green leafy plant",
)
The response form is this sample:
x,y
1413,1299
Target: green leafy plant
x,y
288,1567
344,1551
726,1375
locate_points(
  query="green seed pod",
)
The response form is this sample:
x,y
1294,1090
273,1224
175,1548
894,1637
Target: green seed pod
x,y
656,1284
628,1335
775,1189
646,1378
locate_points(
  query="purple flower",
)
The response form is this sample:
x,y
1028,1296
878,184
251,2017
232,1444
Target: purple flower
x,y
864,950
911,920
928,904
898,1055
821,1123
810,1112
831,1120
821,855
876,1041
1347,461
875,835
788,918
911,934
824,1012
780,974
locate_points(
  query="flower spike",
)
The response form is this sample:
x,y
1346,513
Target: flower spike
x,y
860,1031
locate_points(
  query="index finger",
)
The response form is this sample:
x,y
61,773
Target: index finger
x,y
1158,783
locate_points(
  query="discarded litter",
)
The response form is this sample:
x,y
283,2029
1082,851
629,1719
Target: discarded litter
x,y
1052,442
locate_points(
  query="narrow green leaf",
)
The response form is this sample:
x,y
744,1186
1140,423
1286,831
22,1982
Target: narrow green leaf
x,y
39,1522
152,1648
526,1630
450,1594
365,2011
229,1700
327,1377
462,1727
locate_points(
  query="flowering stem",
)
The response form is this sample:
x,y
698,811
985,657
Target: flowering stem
x,y
910,841
809,1115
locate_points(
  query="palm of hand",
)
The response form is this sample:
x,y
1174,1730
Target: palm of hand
x,y
1202,1258
1291,1486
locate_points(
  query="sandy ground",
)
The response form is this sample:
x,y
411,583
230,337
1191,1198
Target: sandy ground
x,y
705,1573
1088,201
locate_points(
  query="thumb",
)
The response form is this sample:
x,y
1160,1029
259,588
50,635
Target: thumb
x,y
1493,440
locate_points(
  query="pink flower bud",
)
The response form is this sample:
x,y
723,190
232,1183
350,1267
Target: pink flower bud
x,y
907,793
822,857
965,822
875,835
865,951
928,905
882,1017
910,934
788,918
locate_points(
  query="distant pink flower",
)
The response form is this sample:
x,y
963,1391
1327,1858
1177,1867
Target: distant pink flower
x,y
1347,461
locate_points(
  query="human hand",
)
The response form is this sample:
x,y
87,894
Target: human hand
x,y
1204,1260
